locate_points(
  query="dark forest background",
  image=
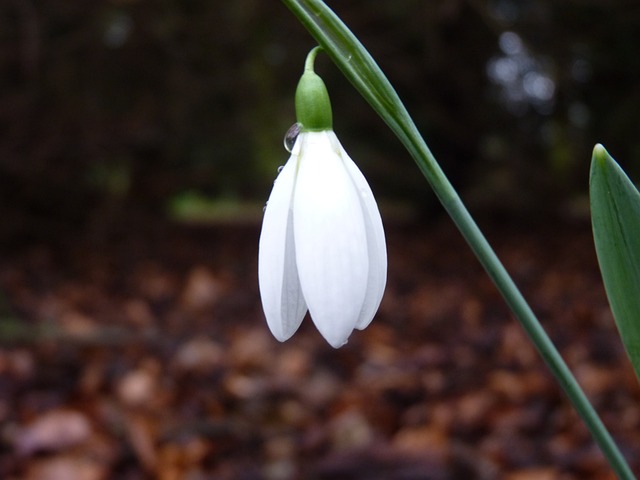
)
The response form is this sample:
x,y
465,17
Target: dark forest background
x,y
121,109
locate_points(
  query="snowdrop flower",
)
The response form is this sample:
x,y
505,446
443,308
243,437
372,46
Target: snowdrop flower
x,y
322,244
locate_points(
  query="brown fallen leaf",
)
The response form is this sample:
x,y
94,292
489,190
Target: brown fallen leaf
x,y
66,468
541,473
202,289
55,430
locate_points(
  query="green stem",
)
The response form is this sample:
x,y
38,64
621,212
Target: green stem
x,y
362,71
311,58
528,320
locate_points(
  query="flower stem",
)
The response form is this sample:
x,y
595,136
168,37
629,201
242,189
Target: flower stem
x,y
362,71
311,58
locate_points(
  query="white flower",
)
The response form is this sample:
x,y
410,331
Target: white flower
x,y
322,244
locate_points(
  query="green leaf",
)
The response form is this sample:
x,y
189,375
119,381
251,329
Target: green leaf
x,y
615,214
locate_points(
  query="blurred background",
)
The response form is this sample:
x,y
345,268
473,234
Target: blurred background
x,y
132,107
138,143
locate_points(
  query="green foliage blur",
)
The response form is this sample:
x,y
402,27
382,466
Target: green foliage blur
x,y
113,109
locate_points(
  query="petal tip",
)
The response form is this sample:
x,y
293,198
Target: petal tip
x,y
336,339
339,344
280,335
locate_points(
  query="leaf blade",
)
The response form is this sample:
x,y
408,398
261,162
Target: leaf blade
x,y
615,216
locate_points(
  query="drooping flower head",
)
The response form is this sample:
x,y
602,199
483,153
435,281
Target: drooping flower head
x,y
322,244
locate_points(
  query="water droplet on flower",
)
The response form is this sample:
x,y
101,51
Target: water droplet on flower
x,y
291,136
280,168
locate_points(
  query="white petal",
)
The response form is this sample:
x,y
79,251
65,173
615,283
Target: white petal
x,y
330,237
282,301
376,244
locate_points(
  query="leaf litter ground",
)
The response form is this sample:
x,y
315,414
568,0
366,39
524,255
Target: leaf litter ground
x,y
147,356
